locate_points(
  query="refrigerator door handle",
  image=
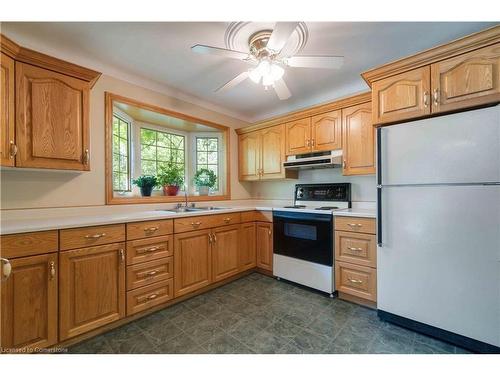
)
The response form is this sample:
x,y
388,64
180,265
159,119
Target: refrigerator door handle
x,y
379,186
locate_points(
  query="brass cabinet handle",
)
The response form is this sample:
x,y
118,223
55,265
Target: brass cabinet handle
x,y
149,249
354,281
12,150
210,238
435,96
312,142
426,99
52,270
6,268
95,236
152,296
308,142
86,156
355,248
344,164
151,229
196,224
214,237
354,225
149,274
227,220
122,256
269,232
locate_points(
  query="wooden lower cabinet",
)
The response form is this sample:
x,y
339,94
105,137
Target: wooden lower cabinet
x,y
91,288
29,303
264,245
192,261
141,299
246,254
225,242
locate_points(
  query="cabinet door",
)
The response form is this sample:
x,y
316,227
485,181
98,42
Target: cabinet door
x,y
52,127
298,137
249,156
465,81
29,303
247,254
225,243
359,140
326,131
192,261
91,288
264,243
403,96
273,152
7,110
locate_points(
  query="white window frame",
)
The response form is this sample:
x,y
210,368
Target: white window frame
x,y
130,121
221,152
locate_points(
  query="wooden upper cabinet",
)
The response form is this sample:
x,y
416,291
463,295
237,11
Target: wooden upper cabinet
x,y
359,140
468,80
249,156
7,77
264,245
298,136
246,249
192,261
29,303
91,288
326,131
225,243
52,126
403,96
272,152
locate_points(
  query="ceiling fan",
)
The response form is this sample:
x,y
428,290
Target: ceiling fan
x,y
265,53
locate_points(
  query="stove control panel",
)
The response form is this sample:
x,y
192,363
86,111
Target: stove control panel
x,y
323,192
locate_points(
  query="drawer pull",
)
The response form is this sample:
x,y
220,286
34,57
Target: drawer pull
x,y
151,249
6,268
122,256
150,274
210,238
214,237
227,220
151,296
355,281
151,229
355,249
95,236
196,224
52,268
354,225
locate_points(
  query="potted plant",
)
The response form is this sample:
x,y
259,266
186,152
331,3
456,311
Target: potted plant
x,y
205,179
146,184
171,176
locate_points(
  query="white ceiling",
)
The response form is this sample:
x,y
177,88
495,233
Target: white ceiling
x,y
159,53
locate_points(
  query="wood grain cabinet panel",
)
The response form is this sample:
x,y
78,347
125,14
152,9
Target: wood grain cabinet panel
x,y
357,248
29,303
356,280
246,250
7,115
272,152
355,224
147,249
146,297
264,245
143,274
91,236
205,221
52,126
192,261
326,131
146,229
298,136
403,96
249,156
91,288
359,140
225,244
468,80
24,244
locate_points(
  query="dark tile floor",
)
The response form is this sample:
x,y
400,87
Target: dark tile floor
x,y
258,314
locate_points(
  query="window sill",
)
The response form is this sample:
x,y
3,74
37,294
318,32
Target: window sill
x,y
165,199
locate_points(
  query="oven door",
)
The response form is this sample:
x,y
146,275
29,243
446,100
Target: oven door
x,y
304,236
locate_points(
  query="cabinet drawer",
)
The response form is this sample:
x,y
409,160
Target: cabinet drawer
x,y
357,248
145,229
24,244
207,221
91,236
140,251
355,224
147,273
144,298
356,280
249,216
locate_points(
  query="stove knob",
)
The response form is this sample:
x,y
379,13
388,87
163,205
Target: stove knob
x,y
300,193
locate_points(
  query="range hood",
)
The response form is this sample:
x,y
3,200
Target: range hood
x,y
327,159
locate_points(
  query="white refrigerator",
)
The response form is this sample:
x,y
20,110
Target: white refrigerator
x,y
438,222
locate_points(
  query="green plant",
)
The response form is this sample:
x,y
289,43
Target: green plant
x,y
145,181
205,177
171,174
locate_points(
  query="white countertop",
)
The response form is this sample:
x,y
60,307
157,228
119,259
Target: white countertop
x,y
78,217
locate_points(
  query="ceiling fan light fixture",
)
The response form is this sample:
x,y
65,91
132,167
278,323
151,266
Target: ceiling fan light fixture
x,y
254,75
269,72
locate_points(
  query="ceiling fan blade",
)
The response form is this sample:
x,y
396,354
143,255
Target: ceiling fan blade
x,y
234,82
216,51
321,62
282,89
280,35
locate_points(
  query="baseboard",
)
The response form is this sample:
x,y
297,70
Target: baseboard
x,y
441,334
358,300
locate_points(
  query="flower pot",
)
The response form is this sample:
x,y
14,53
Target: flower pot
x,y
146,191
203,190
170,190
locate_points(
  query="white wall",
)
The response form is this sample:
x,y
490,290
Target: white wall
x,y
36,189
363,188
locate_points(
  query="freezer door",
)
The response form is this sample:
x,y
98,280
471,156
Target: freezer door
x,y
439,263
458,148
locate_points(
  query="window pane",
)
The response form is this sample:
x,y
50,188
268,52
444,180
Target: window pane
x,y
123,130
116,162
212,144
123,164
123,147
201,158
201,144
177,141
163,153
148,167
148,152
148,137
164,139
120,166
212,157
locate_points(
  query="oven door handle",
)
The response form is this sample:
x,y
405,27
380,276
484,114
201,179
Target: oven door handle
x,y
321,218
